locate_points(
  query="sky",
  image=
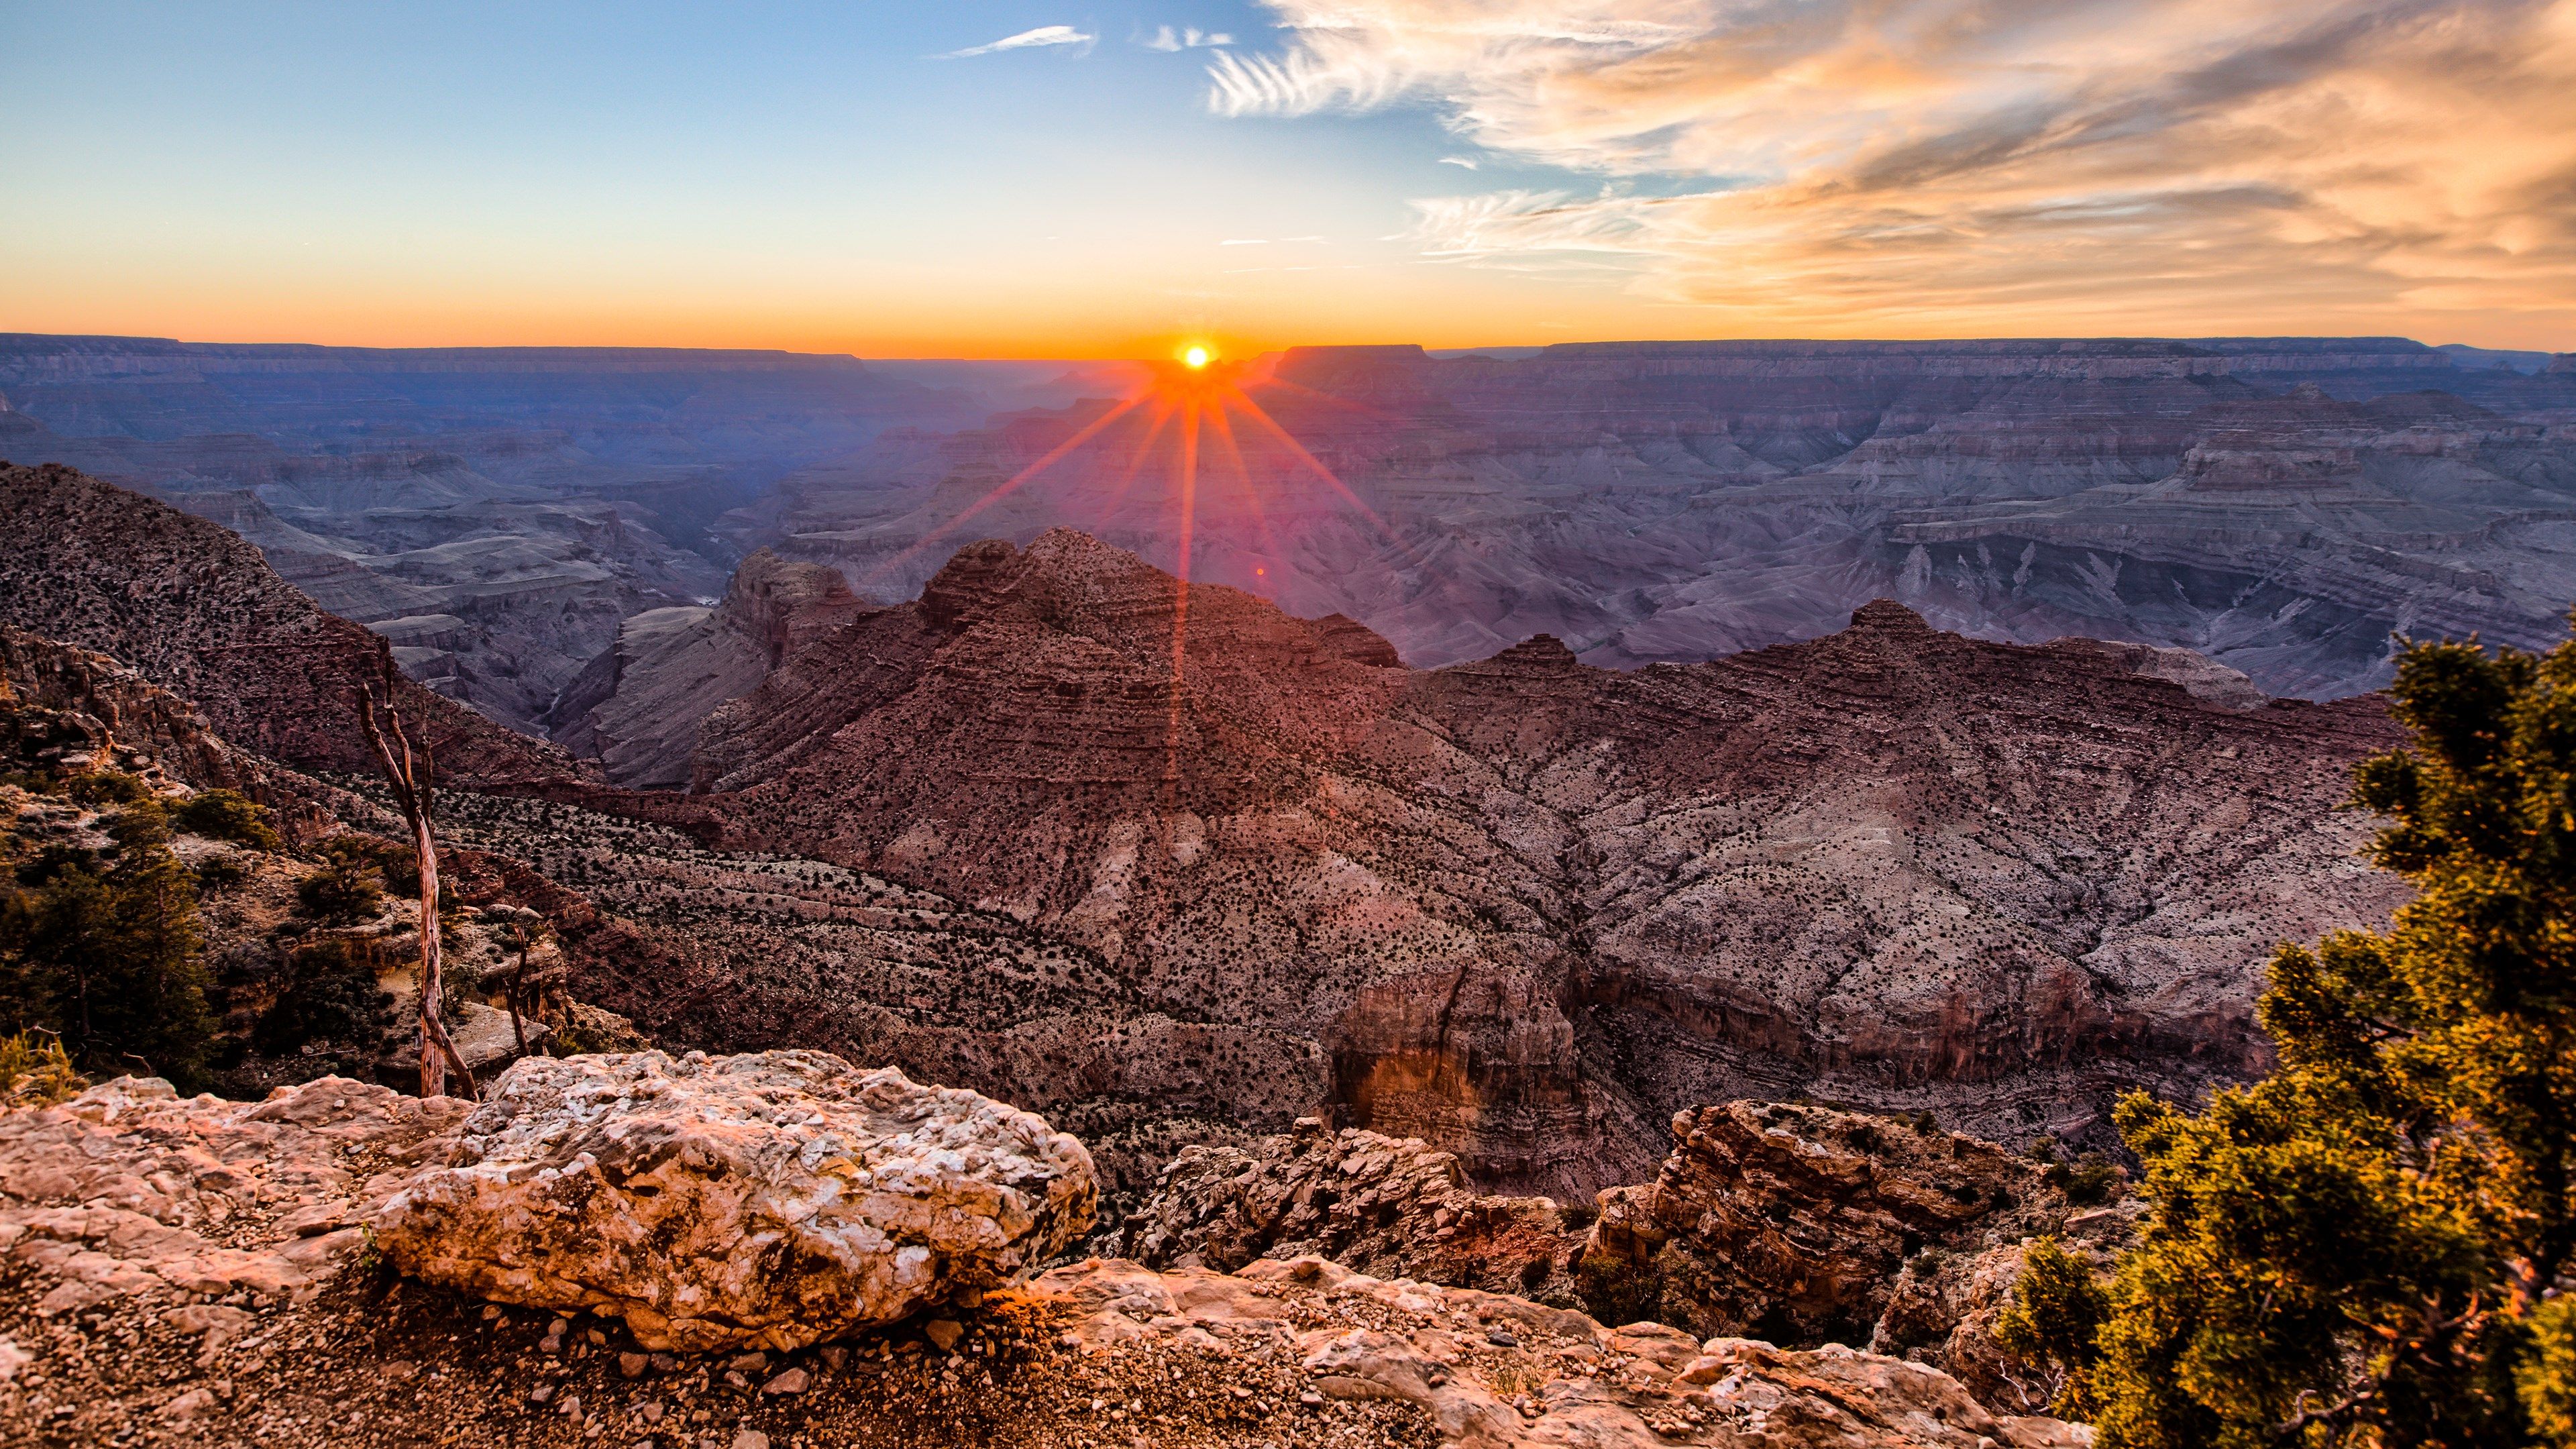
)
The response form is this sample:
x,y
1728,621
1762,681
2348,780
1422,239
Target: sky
x,y
1083,180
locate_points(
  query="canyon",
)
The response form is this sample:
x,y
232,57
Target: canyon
x,y
499,515
1523,909
2280,504
1179,875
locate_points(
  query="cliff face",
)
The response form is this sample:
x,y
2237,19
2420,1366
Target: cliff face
x,y
1528,908
65,707
195,609
637,707
2279,504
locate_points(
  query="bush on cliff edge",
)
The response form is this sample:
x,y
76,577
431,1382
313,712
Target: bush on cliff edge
x,y
2373,1245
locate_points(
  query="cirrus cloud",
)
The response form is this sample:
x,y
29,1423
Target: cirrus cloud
x,y
1044,35
2136,164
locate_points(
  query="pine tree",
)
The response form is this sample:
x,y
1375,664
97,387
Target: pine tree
x,y
2373,1246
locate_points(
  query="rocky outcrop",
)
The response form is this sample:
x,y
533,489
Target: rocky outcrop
x,y
1525,909
772,1200
638,708
195,1268
1798,1224
129,1189
197,611
1494,1372
1385,1206
63,708
1803,1224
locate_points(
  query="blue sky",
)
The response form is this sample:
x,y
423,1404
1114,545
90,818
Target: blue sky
x,y
819,176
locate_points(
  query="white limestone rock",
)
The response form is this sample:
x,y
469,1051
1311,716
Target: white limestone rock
x,y
773,1200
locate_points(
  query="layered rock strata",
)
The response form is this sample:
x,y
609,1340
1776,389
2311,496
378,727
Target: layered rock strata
x,y
1385,1206
1526,909
772,1200
638,706
1802,1224
196,610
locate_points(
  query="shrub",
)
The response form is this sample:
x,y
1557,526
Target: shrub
x,y
329,993
226,815
106,787
340,895
220,872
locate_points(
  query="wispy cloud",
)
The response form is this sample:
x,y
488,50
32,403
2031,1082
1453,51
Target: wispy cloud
x,y
1188,37
2129,163
1044,35
1467,161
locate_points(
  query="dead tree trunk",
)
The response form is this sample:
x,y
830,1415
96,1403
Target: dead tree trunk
x,y
411,788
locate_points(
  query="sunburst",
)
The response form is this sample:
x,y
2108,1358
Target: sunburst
x,y
1195,398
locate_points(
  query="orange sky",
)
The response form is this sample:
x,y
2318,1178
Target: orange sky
x,y
1020,182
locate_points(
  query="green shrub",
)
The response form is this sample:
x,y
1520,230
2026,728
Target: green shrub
x,y
226,815
106,787
219,873
340,895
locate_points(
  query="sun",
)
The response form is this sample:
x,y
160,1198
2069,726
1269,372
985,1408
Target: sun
x,y
1195,356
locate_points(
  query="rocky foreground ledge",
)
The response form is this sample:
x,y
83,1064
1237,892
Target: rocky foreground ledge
x,y
203,1272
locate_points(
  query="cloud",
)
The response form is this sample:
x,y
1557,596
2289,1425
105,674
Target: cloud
x,y
1467,161
1951,164
1026,40
1165,38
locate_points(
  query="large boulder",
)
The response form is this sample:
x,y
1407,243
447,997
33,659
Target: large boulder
x,y
777,1199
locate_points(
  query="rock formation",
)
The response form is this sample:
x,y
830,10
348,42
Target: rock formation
x,y
1807,1226
772,1201
63,708
1801,1225
638,706
130,1189
197,611
191,1269
1386,1206
1525,909
1493,1372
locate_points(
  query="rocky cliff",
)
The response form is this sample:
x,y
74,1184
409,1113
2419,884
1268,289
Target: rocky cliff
x,y
197,610
1524,909
637,706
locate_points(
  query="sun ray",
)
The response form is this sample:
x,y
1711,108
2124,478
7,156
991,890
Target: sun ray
x,y
1181,581
1224,429
1320,471
1163,410
1010,485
